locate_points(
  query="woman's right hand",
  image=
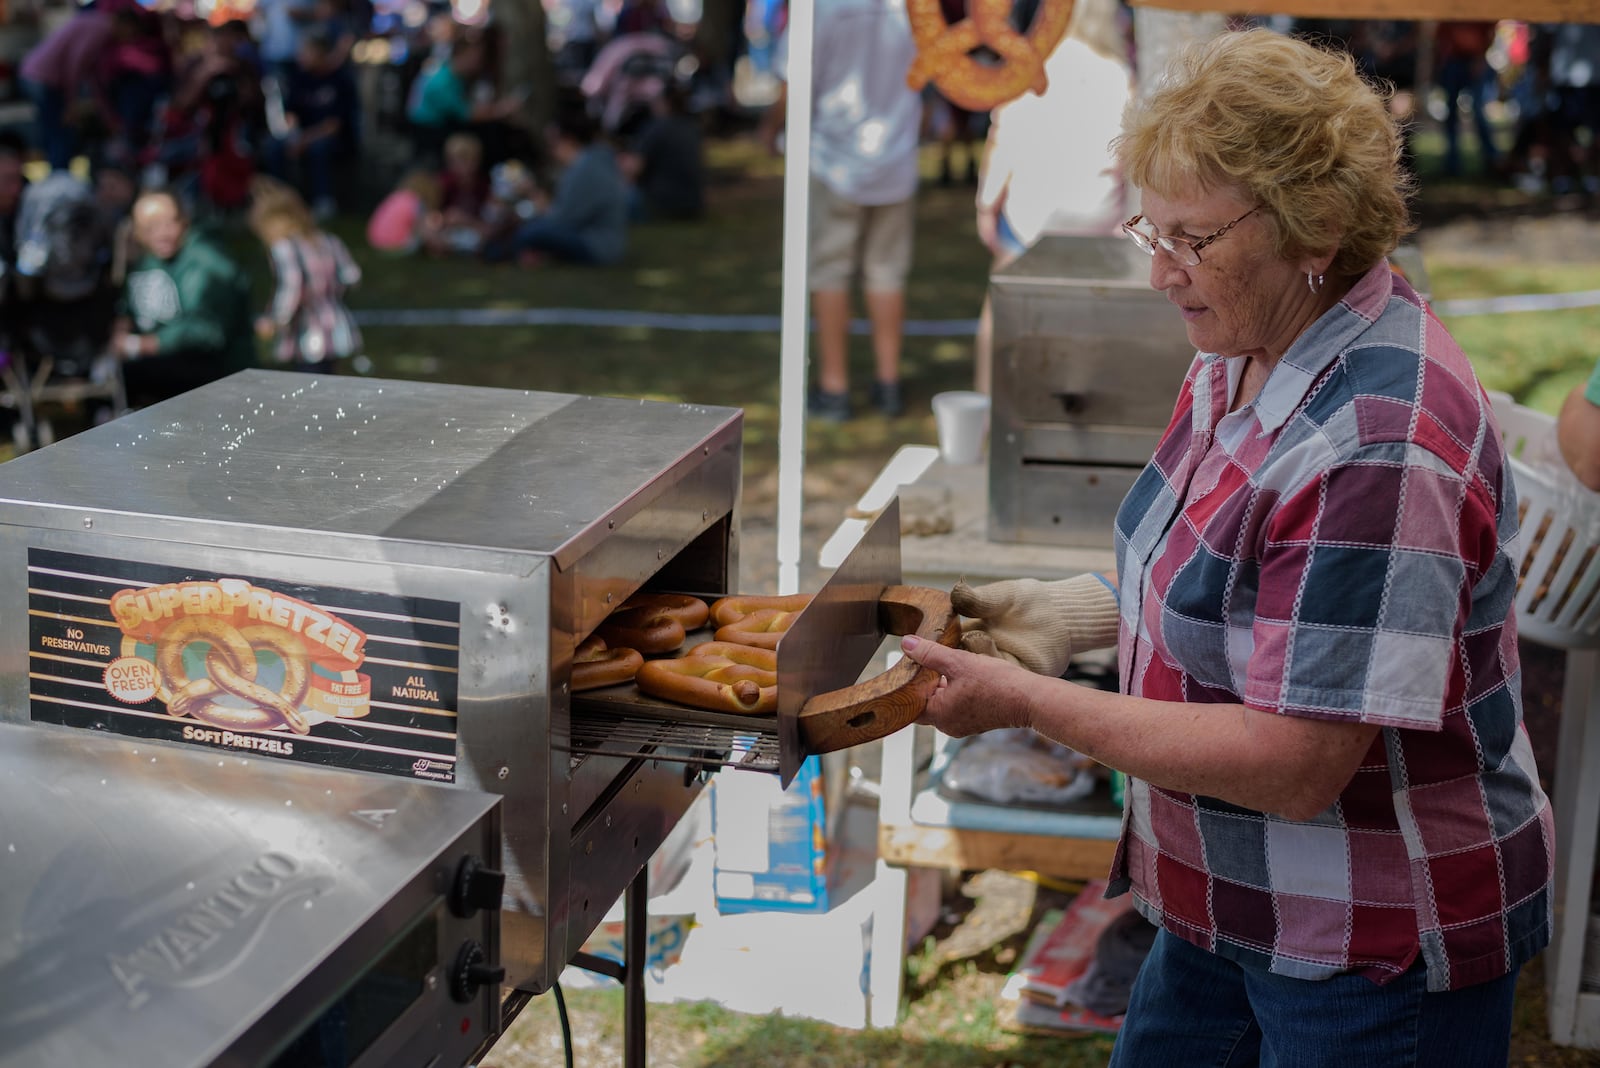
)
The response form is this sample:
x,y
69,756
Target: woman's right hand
x,y
975,693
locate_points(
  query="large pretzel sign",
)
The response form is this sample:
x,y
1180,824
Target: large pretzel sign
x,y
943,51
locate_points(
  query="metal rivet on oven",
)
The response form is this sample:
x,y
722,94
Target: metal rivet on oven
x,y
433,982
503,772
88,522
588,848
704,516
608,598
608,819
611,524
563,808
659,554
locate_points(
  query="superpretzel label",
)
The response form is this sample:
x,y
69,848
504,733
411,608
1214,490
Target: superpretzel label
x,y
322,675
140,611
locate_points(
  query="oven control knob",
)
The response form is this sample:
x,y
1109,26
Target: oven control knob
x,y
472,972
476,887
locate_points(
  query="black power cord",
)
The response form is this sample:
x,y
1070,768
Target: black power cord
x,y
566,1025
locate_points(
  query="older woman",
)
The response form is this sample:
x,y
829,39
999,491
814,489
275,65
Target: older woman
x,y
1333,812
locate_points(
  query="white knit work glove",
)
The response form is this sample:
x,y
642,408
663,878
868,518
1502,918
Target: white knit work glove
x,y
1039,625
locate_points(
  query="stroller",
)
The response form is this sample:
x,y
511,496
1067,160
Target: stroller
x,y
630,72
61,304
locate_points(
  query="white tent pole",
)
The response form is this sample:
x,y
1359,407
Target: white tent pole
x,y
795,329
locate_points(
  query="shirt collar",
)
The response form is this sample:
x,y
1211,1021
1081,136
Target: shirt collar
x,y
1315,350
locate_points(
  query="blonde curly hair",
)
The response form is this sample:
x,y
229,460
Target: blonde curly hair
x,y
1292,128
277,210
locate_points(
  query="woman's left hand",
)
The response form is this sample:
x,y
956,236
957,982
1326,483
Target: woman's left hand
x,y
975,693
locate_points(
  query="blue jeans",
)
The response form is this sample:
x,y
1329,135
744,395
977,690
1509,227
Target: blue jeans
x,y
56,140
545,235
1455,77
1192,1007
135,97
315,166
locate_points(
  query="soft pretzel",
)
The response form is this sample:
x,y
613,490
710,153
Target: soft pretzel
x,y
594,665
653,622
763,628
717,676
943,51
728,610
687,610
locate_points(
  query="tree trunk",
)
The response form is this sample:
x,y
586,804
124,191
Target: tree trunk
x,y
527,62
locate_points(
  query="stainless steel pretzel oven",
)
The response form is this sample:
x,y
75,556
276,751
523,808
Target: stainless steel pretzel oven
x,y
391,579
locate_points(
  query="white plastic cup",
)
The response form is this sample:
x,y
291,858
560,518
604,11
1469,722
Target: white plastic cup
x,y
962,417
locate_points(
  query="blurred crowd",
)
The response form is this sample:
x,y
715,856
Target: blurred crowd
x,y
1529,92
201,107
148,120
152,134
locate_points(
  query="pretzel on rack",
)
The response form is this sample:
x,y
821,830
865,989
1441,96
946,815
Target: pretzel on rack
x,y
726,610
231,666
716,676
654,622
595,666
763,628
943,51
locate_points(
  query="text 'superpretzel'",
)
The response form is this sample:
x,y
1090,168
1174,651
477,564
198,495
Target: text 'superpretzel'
x,y
231,668
943,51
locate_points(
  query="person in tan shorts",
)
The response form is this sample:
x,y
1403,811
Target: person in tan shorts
x,y
865,122
873,241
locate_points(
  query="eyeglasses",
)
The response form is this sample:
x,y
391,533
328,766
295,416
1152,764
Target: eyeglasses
x,y
1144,234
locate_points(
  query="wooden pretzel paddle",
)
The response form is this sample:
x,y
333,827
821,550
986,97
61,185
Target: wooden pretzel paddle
x,y
880,706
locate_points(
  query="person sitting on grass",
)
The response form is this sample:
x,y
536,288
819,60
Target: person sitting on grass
x,y
587,219
396,224
667,162
459,224
443,102
187,305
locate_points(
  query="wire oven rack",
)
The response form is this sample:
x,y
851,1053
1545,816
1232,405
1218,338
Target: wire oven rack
x,y
620,721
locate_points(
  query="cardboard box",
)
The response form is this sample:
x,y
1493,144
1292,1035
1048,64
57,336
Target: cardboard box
x,y
771,844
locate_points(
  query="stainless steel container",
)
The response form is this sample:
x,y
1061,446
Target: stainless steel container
x,y
187,909
1088,361
411,563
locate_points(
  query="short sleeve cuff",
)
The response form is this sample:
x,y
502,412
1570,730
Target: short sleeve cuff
x,y
1591,389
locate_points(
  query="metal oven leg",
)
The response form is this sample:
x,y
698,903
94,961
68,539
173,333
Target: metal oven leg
x,y
635,926
630,973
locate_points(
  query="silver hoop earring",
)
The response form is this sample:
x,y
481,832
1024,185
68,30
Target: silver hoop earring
x,y
1314,282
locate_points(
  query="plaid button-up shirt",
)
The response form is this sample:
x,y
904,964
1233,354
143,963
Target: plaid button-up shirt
x,y
1338,549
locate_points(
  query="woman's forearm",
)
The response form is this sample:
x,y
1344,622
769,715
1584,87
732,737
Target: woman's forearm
x,y
1287,765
